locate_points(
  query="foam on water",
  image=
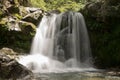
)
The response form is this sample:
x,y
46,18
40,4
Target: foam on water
x,y
61,44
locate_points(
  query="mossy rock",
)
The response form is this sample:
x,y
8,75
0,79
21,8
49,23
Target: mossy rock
x,y
13,9
24,2
3,21
102,20
92,9
11,69
112,11
14,32
102,11
112,2
34,17
23,11
27,27
11,37
1,13
9,52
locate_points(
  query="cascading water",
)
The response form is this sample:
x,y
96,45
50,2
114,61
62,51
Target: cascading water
x,y
61,43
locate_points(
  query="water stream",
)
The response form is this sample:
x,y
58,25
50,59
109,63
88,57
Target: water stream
x,y
76,76
61,49
61,43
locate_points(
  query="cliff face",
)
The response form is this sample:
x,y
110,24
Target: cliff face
x,y
104,29
18,24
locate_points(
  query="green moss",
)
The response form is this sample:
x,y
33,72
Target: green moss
x,y
104,30
16,2
13,9
18,16
29,27
19,41
11,17
61,5
38,3
112,2
104,42
3,21
1,13
23,11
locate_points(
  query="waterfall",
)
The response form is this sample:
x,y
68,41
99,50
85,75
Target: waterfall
x,y
61,43
44,38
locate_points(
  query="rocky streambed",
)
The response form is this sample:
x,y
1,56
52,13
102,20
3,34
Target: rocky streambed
x,y
12,70
76,76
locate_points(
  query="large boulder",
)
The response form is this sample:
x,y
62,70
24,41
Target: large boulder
x,y
93,8
112,2
9,52
16,34
34,15
24,2
11,69
12,13
18,24
102,19
12,23
10,6
103,11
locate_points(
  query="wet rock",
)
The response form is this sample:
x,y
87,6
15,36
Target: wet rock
x,y
27,27
10,23
7,51
109,13
12,14
113,73
11,69
13,9
12,1
32,9
24,2
55,11
1,6
17,25
102,11
4,58
93,8
10,6
60,54
112,2
103,17
34,15
23,11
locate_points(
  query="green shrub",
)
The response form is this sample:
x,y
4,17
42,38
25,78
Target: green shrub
x,y
62,5
38,3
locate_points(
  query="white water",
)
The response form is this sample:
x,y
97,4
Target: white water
x,y
56,49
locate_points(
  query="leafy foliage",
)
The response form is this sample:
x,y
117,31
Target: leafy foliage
x,y
38,3
104,42
62,5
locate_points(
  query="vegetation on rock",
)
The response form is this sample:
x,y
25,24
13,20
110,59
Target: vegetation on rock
x,y
10,68
16,27
61,5
103,24
18,23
